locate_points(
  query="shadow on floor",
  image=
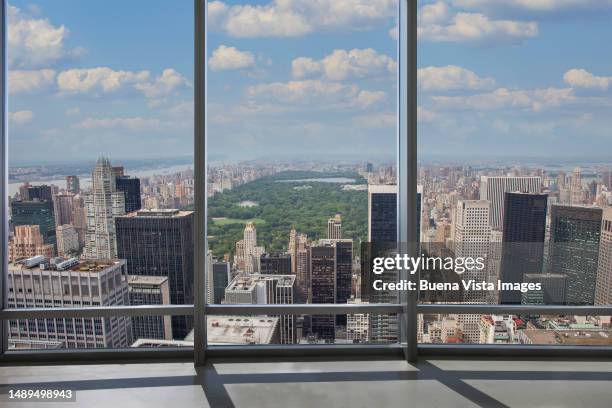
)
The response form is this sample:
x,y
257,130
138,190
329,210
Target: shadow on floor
x,y
214,384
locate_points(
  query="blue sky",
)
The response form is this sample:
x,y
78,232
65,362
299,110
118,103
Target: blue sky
x,y
304,78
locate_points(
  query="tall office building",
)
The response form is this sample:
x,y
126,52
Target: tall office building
x,y
35,212
266,289
574,246
323,290
67,241
28,242
334,227
73,184
221,277
553,292
299,250
63,208
79,218
493,189
607,178
576,190
102,205
603,287
31,193
150,290
130,186
248,254
524,231
275,264
42,283
382,229
472,239
160,243
382,213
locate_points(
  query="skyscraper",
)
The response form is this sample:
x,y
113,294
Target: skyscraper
x,y
67,240
160,243
382,213
472,239
28,242
574,247
73,185
70,283
603,288
221,277
150,290
31,193
37,212
323,289
576,191
493,189
266,289
102,205
275,264
553,292
524,230
334,227
130,186
62,208
248,254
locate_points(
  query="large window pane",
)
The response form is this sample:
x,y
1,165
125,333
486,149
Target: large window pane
x,y
514,157
301,132
100,167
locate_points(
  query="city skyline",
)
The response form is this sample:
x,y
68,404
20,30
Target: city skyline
x,y
491,79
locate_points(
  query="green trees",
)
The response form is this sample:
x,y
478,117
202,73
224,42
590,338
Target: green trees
x,y
281,205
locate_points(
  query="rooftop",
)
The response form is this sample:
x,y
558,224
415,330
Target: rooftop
x,y
147,280
37,264
158,213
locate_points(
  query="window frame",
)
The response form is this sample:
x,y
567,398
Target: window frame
x,y
407,306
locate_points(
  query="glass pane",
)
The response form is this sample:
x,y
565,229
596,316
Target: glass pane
x,y
513,154
100,166
301,126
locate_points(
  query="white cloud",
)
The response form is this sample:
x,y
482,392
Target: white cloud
x,y
133,124
106,80
289,18
20,117
97,79
343,64
228,58
434,13
164,84
503,98
35,42
451,77
366,99
438,23
580,78
316,93
536,5
73,111
28,81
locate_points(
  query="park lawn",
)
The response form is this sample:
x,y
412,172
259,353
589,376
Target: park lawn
x,y
229,221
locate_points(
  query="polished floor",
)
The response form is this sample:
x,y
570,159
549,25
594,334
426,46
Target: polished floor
x,y
378,383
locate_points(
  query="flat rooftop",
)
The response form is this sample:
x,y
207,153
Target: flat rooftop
x,y
248,282
82,265
147,280
157,213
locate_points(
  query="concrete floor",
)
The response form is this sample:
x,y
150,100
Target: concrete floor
x,y
432,383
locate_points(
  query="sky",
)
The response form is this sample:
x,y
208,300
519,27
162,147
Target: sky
x,y
308,78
